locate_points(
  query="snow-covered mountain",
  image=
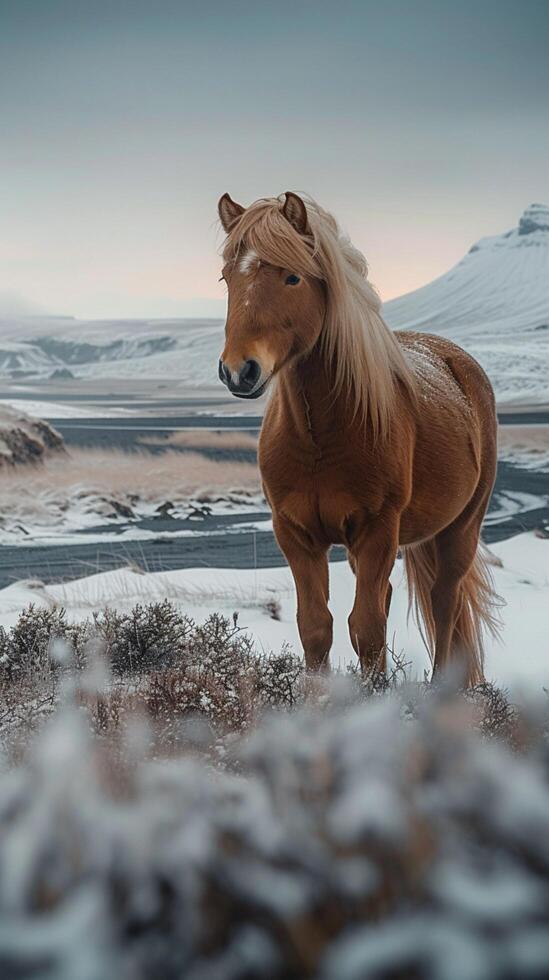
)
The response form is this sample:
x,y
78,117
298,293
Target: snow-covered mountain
x,y
39,346
495,303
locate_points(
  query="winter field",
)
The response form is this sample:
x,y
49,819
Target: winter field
x,y
178,796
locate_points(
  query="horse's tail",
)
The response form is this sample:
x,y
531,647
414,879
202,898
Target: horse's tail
x,y
477,614
420,565
477,604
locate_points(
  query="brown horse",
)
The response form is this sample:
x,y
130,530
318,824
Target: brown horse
x,y
372,439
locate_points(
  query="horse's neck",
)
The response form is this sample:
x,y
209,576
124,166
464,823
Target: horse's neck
x,y
306,397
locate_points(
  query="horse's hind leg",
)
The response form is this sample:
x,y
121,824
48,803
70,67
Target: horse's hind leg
x,y
461,594
454,560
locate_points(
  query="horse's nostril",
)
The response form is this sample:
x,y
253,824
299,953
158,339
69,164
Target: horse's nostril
x,y
241,382
250,374
224,373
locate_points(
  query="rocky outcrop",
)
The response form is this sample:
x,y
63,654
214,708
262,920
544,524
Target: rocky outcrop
x,y
24,439
534,218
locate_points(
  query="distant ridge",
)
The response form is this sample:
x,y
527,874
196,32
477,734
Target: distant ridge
x,y
495,302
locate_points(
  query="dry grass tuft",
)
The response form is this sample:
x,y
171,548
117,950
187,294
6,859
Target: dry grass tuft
x,y
205,439
112,471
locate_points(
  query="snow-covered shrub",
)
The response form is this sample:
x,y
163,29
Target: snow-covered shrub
x,y
219,647
151,636
34,642
220,677
279,679
363,840
161,660
496,715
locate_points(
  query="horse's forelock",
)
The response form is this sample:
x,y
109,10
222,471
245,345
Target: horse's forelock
x,y
264,230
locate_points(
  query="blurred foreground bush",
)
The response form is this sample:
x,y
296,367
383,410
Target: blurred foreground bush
x,y
351,833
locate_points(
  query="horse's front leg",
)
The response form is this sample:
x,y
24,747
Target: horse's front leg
x,y
309,565
373,551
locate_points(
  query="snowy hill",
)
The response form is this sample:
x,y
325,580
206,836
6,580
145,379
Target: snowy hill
x,y
495,303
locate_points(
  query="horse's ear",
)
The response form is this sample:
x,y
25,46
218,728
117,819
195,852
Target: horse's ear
x,y
229,212
295,212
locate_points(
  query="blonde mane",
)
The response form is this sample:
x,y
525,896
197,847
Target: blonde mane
x,y
365,355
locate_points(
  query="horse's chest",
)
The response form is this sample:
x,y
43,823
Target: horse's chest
x,y
321,499
323,516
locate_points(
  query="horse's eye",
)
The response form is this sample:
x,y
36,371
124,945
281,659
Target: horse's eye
x,y
292,280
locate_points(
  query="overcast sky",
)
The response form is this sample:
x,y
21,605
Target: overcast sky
x,y
422,125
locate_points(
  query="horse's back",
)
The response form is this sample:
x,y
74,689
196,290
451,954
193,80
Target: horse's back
x,y
451,384
468,374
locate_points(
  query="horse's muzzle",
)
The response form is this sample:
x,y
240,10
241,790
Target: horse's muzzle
x,y
243,383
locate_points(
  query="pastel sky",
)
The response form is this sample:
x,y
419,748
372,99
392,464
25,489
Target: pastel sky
x,y
422,124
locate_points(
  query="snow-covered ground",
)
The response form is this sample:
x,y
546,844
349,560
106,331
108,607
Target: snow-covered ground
x,y
92,510
113,492
520,660
61,410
